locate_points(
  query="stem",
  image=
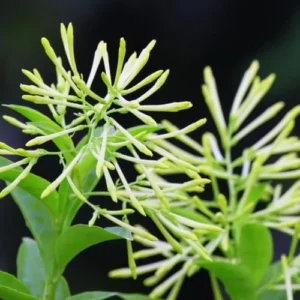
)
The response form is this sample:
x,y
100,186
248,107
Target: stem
x,y
215,187
215,287
230,181
294,243
49,290
288,282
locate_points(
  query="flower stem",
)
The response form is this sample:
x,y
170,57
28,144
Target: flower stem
x,y
215,287
49,290
228,161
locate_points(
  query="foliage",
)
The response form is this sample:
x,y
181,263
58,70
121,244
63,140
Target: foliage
x,y
227,235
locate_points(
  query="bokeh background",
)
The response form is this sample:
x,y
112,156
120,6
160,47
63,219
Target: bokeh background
x,y
190,34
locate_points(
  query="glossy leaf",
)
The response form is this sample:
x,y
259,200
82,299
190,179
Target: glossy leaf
x,y
70,205
255,249
120,231
78,238
256,193
93,296
11,288
7,293
88,173
88,180
40,222
31,271
62,290
64,143
33,184
86,166
272,276
236,279
272,295
32,114
64,195
30,268
10,281
133,297
97,133
107,295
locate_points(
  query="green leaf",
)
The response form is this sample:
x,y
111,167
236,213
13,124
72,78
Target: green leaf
x,y
272,295
93,296
33,184
272,276
86,169
64,196
107,295
31,272
120,231
133,296
237,279
39,221
97,133
7,293
10,281
86,175
71,205
30,269
64,143
78,238
256,193
255,249
11,288
62,290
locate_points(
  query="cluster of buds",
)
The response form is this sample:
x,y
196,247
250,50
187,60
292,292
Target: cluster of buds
x,y
251,178
76,108
196,241
95,115
193,228
28,158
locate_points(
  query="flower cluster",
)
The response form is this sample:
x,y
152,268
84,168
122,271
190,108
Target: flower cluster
x,y
253,194
76,108
95,114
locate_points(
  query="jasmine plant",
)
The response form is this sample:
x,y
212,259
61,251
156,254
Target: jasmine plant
x,y
227,234
254,202
49,208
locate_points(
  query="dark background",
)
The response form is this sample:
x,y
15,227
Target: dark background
x,y
190,34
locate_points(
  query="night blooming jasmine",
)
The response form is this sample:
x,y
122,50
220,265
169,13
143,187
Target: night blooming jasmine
x,y
225,232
